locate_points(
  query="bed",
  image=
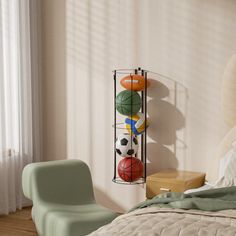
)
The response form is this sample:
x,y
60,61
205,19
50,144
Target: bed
x,y
204,213
166,222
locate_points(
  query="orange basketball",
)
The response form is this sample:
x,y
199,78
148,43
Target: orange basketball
x,y
133,82
130,169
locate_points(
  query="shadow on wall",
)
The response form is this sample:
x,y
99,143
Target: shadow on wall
x,y
165,120
105,200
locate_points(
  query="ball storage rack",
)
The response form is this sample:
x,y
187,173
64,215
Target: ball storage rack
x,y
119,128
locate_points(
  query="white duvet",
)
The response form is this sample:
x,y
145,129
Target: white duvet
x,y
155,221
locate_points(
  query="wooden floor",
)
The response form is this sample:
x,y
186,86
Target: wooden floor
x,y
17,224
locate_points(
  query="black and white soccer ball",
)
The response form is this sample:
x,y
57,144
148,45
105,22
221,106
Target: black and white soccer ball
x,y
126,145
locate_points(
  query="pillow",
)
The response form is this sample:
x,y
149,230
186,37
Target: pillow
x,y
227,169
224,147
226,174
225,161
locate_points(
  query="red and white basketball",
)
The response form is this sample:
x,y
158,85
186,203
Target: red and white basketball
x,y
130,169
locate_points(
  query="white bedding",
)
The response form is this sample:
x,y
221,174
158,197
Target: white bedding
x,y
155,221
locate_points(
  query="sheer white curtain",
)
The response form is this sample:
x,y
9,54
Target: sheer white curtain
x,y
18,99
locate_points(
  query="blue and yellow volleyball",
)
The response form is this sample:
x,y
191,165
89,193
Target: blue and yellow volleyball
x,y
136,124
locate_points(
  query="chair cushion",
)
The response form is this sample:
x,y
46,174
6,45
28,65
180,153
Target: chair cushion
x,y
69,220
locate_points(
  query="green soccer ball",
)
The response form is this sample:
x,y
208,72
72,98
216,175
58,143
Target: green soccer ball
x,y
128,102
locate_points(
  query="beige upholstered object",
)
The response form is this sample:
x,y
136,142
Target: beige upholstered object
x,y
228,107
228,100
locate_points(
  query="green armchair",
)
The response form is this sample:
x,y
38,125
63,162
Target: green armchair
x,y
63,198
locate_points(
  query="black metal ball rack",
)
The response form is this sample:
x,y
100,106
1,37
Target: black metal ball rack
x,y
117,76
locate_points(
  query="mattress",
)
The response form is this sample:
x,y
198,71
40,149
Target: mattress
x,y
156,221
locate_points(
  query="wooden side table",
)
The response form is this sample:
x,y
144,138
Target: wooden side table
x,y
173,181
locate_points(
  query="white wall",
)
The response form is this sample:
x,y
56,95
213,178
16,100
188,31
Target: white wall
x,y
188,40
